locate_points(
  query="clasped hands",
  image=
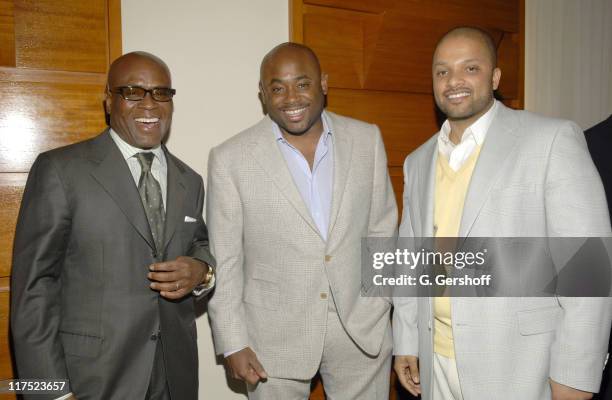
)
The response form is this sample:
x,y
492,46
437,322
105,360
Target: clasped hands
x,y
177,278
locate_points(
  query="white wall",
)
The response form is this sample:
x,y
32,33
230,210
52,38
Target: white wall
x,y
213,49
568,59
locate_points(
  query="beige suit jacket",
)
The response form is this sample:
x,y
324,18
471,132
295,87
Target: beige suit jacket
x,y
275,273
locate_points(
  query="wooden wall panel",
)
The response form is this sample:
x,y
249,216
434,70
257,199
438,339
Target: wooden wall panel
x,y
7,34
40,116
406,119
61,35
378,55
11,190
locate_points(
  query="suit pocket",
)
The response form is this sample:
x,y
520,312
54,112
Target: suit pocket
x,y
542,320
81,345
262,289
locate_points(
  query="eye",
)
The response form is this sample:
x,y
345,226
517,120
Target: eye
x,y
276,89
303,85
441,73
472,68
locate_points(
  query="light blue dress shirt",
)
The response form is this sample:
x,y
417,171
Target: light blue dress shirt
x,y
315,186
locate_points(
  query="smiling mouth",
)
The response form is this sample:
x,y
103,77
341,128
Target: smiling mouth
x,y
153,120
147,122
295,114
455,96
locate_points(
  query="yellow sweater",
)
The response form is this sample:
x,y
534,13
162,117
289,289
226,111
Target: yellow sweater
x,y
451,188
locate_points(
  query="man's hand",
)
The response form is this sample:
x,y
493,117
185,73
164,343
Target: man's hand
x,y
244,365
407,370
562,392
176,279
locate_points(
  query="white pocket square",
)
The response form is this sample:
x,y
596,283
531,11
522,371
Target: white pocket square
x,y
189,219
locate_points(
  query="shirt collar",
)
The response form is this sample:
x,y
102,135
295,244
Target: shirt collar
x,y
327,128
128,151
477,131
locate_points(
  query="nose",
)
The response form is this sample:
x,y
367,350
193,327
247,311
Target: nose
x,y
455,78
148,101
291,95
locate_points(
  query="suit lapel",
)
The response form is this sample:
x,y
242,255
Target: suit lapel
x,y
114,176
267,154
175,197
343,146
498,144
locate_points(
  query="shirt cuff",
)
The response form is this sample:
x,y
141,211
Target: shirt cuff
x,y
201,289
64,397
229,353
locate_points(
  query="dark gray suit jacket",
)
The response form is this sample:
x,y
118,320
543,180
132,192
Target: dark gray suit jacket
x,y
81,306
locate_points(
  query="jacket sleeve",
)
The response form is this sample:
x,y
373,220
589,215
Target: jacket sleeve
x,y
41,237
576,206
224,217
199,248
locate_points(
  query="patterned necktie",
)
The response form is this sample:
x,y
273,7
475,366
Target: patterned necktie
x,y
151,195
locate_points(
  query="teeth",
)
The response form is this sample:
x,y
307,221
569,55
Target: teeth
x,y
147,120
294,112
458,95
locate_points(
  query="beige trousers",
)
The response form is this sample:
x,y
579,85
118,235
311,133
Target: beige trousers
x,y
347,372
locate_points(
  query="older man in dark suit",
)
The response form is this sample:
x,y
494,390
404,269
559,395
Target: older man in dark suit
x,y
110,248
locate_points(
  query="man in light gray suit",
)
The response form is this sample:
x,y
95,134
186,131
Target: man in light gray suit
x,y
110,243
524,175
290,199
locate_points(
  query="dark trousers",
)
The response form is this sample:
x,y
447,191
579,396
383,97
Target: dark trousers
x,y
158,385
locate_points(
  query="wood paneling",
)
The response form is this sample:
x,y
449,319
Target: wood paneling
x,y
6,369
7,34
113,23
40,116
378,56
11,190
405,119
65,35
54,55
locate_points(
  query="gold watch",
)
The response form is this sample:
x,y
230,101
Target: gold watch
x,y
209,275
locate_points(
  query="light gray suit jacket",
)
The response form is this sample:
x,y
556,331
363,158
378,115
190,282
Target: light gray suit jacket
x,y
275,273
534,177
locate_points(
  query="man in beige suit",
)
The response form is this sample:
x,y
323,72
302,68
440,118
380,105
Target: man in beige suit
x,y
290,200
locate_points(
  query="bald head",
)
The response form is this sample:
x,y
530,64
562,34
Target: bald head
x,y
472,33
293,89
141,122
290,50
140,58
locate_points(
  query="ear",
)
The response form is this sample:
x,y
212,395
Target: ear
x,y
324,82
108,101
262,93
496,78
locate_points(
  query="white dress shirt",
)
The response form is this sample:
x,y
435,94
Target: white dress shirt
x,y
474,136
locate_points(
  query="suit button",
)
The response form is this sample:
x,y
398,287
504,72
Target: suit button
x,y
154,336
328,258
154,254
323,296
